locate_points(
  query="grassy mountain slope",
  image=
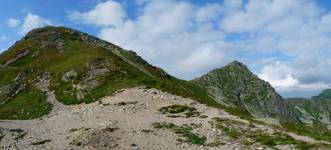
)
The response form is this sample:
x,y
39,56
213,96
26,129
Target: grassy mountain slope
x,y
82,69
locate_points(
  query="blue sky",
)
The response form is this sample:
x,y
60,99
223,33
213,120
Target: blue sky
x,y
285,42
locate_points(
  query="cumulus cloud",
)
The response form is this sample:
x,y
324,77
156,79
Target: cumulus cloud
x,y
279,75
12,22
200,61
176,39
284,79
32,21
109,13
290,37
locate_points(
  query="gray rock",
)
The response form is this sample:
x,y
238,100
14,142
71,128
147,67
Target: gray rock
x,y
79,95
98,68
69,76
60,45
18,56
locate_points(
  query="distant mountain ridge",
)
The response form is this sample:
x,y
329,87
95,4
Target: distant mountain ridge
x,y
313,111
325,94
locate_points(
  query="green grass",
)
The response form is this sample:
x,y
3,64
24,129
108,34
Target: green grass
x,y
274,139
228,126
7,75
317,131
176,109
163,125
240,130
184,131
190,136
29,104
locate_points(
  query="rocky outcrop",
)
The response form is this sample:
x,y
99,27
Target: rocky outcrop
x,y
18,56
69,76
13,88
236,86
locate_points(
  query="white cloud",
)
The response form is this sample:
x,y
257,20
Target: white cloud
x,y
279,75
32,21
200,61
109,13
12,22
284,79
208,13
173,38
255,14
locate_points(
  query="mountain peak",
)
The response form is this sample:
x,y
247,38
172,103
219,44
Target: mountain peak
x,y
51,32
235,85
234,66
237,64
325,94
42,30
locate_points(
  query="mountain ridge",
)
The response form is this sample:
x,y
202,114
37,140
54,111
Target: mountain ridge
x,y
316,110
235,85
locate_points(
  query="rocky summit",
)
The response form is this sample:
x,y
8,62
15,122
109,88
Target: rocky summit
x,y
64,89
236,86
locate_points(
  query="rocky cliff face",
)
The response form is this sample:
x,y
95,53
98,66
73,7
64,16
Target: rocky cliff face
x,y
236,86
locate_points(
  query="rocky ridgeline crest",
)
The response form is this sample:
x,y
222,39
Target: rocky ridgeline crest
x,y
236,86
